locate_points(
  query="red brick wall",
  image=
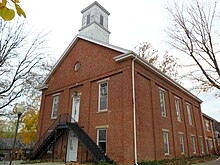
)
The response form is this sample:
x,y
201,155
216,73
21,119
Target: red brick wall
x,y
97,63
150,123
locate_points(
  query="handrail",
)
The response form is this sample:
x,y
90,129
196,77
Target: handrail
x,y
63,118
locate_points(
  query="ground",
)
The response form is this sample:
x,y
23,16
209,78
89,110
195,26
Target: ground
x,y
213,162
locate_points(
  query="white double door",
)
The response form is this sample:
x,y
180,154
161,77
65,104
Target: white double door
x,y
72,146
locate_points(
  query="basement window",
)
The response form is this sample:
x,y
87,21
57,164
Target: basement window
x,y
102,138
193,144
166,141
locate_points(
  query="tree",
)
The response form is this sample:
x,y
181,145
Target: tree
x,y
168,64
8,13
194,30
24,62
29,127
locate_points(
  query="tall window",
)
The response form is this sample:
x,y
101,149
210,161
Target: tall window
x,y
181,143
166,141
177,105
193,144
101,20
201,144
102,138
55,107
207,125
162,102
103,96
87,19
210,144
188,107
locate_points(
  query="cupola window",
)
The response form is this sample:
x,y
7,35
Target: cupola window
x,y
101,20
88,19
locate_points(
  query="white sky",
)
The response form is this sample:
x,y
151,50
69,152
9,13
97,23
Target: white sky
x,y
130,23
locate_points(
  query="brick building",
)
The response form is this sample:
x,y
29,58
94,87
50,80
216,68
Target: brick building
x,y
211,134
116,99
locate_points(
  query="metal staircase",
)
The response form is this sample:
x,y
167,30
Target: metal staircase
x,y
61,125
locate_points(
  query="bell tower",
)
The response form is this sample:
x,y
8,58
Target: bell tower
x,y
95,22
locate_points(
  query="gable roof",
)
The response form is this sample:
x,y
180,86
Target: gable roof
x,y
71,45
126,54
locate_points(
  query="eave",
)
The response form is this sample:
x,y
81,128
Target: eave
x,y
132,55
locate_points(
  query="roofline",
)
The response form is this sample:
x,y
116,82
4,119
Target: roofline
x,y
132,55
207,116
70,46
96,3
94,22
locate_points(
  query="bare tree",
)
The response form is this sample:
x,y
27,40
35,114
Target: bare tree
x,y
23,59
167,63
194,30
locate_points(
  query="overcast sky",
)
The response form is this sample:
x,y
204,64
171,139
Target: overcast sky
x,y
130,23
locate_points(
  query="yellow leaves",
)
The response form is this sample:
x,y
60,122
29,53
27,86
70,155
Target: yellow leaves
x,y
29,128
8,14
19,10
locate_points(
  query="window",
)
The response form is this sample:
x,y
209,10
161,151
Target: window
x,y
87,19
166,141
207,125
193,144
210,144
55,106
177,105
188,107
201,144
103,96
101,20
102,138
162,102
181,143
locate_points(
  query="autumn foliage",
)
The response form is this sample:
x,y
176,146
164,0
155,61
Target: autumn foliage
x,y
29,126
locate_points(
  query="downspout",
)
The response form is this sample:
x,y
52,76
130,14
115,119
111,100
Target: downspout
x,y
134,112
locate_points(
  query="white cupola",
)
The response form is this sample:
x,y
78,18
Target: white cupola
x,y
95,22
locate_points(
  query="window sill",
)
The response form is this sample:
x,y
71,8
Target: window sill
x,y
165,117
167,154
180,121
102,111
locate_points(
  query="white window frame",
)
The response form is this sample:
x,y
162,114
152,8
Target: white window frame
x,y
193,143
181,138
99,129
166,141
55,101
177,106
210,144
189,112
99,97
207,125
201,144
162,102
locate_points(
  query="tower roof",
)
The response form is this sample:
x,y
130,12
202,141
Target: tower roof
x,y
95,3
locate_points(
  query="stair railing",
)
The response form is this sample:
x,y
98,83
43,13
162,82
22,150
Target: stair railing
x,y
63,118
